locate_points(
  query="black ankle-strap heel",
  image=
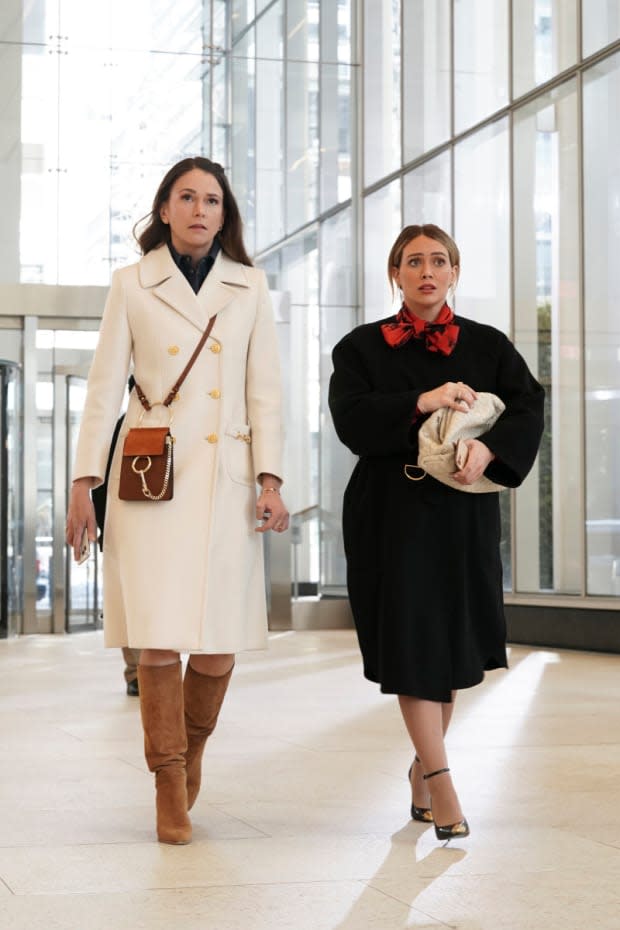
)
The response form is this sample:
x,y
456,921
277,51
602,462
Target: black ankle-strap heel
x,y
453,830
421,814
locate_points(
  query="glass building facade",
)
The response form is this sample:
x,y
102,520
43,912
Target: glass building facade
x,y
497,121
339,122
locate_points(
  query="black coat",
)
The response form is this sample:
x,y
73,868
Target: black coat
x,y
423,565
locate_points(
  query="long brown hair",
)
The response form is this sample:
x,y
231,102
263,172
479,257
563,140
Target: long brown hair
x,y
156,232
412,232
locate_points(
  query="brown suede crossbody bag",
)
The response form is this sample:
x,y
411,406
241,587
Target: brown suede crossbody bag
x,y
147,465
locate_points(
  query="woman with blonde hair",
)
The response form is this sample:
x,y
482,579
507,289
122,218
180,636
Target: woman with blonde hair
x,y
423,564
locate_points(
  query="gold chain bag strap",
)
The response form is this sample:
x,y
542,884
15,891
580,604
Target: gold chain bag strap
x,y
147,465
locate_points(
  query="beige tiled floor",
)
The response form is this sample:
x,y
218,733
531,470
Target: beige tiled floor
x,y
303,821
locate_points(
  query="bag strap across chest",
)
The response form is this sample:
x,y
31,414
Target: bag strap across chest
x,y
177,384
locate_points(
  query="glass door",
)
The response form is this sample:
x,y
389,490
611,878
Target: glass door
x,y
84,603
11,500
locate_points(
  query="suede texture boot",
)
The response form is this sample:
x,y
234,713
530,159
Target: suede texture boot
x,y
165,743
203,695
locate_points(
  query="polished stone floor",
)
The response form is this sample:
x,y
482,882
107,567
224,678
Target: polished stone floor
x,y
303,820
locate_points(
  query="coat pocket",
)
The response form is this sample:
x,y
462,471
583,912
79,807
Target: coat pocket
x,y
238,453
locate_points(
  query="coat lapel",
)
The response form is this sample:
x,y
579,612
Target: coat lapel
x,y
160,274
224,282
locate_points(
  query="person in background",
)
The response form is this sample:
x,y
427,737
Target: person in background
x,y
423,560
99,495
186,575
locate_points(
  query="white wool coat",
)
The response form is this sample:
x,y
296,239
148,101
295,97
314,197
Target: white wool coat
x,y
187,574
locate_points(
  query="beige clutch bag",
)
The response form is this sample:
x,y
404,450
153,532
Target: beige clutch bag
x,y
441,443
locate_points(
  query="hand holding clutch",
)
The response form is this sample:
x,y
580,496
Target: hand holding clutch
x,y
442,446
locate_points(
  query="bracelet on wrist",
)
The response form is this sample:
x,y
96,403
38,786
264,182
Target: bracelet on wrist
x,y
265,490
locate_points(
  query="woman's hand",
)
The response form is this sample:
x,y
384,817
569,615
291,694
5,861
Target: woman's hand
x,y
81,514
478,457
271,511
452,394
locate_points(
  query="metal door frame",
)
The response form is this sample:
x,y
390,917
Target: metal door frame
x,y
6,627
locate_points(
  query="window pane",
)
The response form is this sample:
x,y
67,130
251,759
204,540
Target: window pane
x,y
427,193
482,226
220,23
243,13
21,156
300,278
480,59
85,132
132,187
601,135
381,88
335,134
547,333
338,89
544,37
37,22
302,114
382,223
218,74
269,131
426,75
162,117
33,217
220,127
338,316
294,270
244,133
118,24
336,31
481,204
600,24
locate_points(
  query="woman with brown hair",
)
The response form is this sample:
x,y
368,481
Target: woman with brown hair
x,y
186,575
423,564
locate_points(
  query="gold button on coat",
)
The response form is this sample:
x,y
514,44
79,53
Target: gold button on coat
x,y
215,394
216,347
212,437
173,350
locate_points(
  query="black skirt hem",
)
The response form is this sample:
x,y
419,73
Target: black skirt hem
x,y
441,697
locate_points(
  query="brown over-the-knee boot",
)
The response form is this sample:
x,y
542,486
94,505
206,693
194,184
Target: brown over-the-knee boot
x,y
203,696
165,742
